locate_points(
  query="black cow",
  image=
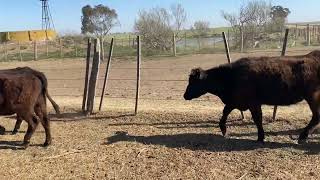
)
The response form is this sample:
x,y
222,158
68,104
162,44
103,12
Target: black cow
x,y
251,82
24,93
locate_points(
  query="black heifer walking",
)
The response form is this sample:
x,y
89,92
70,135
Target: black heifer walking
x,y
23,91
251,82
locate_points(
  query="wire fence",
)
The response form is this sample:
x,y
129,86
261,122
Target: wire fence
x,y
154,89
186,43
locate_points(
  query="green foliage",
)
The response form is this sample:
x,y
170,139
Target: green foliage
x,y
98,20
279,15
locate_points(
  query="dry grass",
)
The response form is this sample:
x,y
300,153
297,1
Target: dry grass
x,y
170,139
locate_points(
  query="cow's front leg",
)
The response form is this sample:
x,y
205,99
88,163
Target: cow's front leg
x,y
222,124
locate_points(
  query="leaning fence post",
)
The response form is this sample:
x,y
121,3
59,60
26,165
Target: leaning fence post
x,y
93,77
283,52
35,50
138,73
86,79
226,46
107,74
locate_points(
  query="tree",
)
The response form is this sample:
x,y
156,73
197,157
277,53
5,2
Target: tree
x,y
201,28
157,26
252,20
98,20
279,16
180,17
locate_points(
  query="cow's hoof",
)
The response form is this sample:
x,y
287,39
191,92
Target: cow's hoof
x,y
260,141
2,130
46,144
302,141
25,144
14,132
223,130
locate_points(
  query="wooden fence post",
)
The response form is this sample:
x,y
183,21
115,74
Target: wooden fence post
x,y
226,46
296,33
20,54
129,41
93,77
174,48
86,79
318,34
242,40
5,51
185,40
107,74
102,49
60,43
199,43
138,74
47,48
283,52
308,35
75,48
35,50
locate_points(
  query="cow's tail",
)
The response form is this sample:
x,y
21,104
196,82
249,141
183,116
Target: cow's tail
x,y
44,81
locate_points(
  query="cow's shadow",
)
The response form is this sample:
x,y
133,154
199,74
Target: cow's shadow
x,y
13,145
207,142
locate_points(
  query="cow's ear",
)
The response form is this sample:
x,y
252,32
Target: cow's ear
x,y
198,73
195,73
203,75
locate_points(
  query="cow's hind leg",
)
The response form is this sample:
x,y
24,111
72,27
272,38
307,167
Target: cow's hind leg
x,y
222,124
314,105
256,113
46,125
33,121
17,126
41,111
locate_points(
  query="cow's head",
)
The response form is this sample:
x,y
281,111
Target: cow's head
x,y
197,85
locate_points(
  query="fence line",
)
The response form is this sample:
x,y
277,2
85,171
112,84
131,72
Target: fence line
x,y
116,79
74,47
133,98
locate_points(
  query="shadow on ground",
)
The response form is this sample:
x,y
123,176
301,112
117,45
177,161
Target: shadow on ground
x,y
13,145
78,116
207,142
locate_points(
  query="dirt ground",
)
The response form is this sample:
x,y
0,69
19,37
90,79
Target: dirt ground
x,y
169,139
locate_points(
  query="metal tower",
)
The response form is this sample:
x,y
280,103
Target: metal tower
x,y
47,22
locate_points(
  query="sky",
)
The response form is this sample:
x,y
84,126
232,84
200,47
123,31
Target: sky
x,y
26,14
